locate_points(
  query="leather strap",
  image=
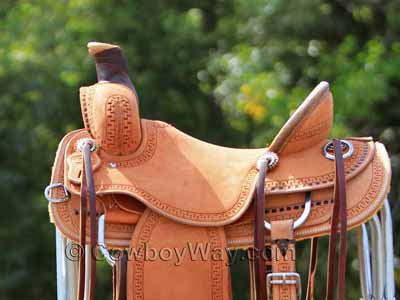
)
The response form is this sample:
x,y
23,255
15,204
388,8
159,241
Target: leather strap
x,y
251,273
312,269
259,237
339,212
119,277
82,237
87,191
283,260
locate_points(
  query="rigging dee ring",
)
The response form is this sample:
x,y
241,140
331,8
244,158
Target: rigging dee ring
x,y
302,218
102,244
346,145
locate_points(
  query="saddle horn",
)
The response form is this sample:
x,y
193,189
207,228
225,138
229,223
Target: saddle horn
x,y
110,107
111,64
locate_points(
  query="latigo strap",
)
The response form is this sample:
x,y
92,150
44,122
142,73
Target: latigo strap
x,y
339,212
87,191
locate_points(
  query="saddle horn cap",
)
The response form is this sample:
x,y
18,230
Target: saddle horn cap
x,y
96,47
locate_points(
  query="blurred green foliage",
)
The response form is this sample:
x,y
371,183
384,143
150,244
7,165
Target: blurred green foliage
x,y
229,72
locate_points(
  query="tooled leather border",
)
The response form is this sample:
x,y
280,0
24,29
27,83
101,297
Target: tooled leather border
x,y
216,273
351,167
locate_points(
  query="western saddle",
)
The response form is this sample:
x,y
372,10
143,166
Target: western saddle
x,y
163,197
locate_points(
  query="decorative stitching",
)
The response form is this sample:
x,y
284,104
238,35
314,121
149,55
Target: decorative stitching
x,y
144,236
186,214
216,265
361,152
312,131
144,155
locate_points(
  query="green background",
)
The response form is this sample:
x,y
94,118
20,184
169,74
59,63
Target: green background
x,y
228,72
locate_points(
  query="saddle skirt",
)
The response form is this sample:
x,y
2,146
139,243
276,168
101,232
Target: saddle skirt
x,y
141,163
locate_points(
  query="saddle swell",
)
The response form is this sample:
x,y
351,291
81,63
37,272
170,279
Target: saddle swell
x,y
159,187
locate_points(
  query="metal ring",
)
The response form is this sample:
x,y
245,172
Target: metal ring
x,y
101,243
302,218
345,155
47,193
82,143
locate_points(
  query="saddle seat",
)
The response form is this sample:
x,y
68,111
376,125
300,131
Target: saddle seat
x,y
142,163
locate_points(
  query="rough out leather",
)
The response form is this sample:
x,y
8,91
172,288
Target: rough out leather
x,y
163,189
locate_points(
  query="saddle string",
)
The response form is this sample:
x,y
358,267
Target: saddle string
x,y
119,272
250,251
339,212
88,194
312,269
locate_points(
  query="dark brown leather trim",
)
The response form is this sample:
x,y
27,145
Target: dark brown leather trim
x,y
87,191
112,66
259,237
82,237
339,212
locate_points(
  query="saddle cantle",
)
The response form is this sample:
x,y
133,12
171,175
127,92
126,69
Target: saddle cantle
x,y
148,174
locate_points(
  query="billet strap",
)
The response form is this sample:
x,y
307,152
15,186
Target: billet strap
x,y
312,268
87,193
339,213
283,283
119,276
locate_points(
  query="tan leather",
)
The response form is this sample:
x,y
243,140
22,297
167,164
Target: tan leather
x,y
156,272
149,172
283,261
308,125
111,116
222,182
366,191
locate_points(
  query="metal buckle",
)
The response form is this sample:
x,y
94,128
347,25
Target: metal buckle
x,y
306,212
49,188
281,278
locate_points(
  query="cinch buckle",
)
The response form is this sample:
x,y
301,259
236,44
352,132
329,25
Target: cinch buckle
x,y
49,188
281,278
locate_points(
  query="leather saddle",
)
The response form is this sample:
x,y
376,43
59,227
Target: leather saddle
x,y
159,188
